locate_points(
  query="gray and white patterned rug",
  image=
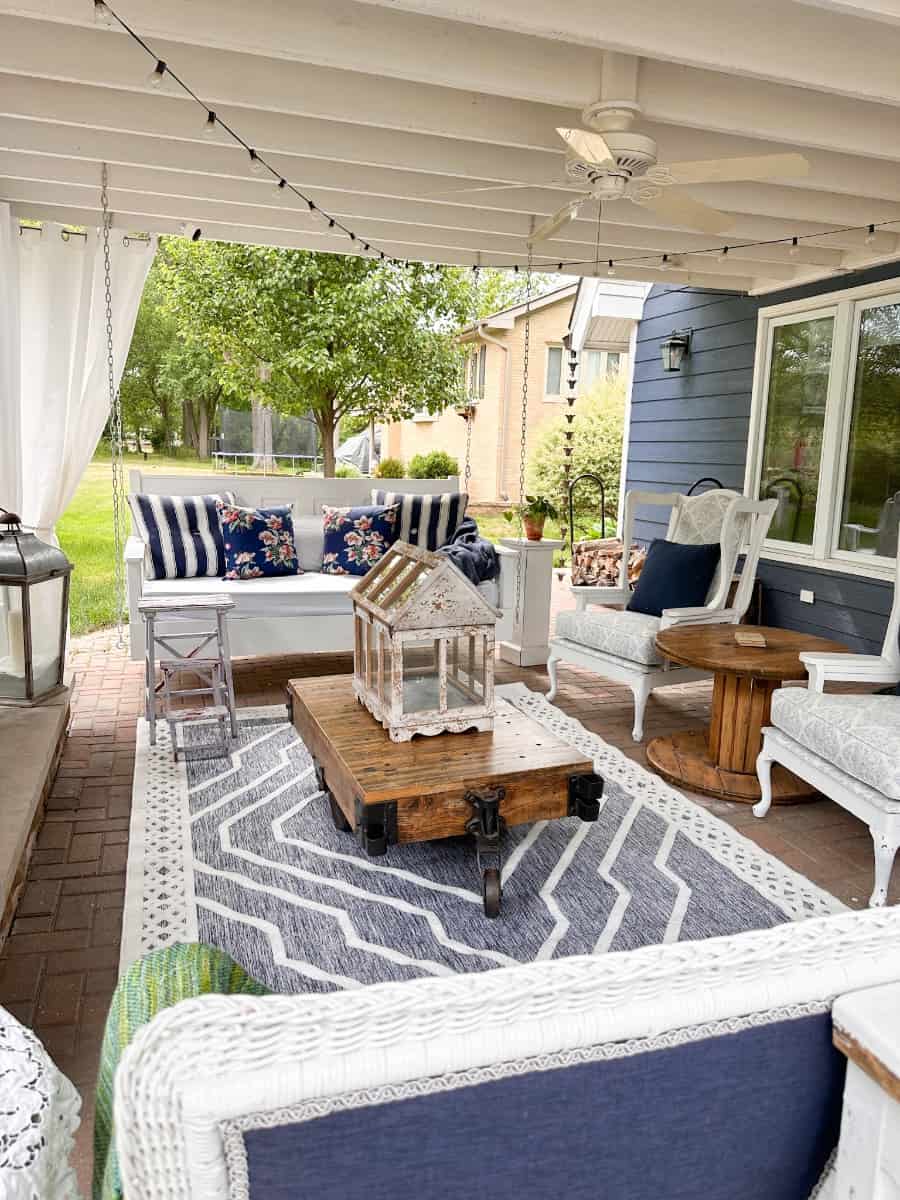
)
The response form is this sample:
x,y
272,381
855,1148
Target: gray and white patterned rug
x,y
241,853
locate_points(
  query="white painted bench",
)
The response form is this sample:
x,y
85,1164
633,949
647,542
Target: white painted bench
x,y
288,614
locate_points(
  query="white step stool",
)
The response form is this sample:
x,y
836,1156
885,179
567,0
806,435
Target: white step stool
x,y
213,668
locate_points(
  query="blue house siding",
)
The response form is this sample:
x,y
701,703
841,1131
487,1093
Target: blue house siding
x,y
695,423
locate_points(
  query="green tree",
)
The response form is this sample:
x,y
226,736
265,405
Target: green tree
x,y
148,401
339,335
596,446
502,289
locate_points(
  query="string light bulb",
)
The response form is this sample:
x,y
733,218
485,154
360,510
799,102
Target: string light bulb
x,y
257,166
664,263
795,248
102,14
209,128
870,235
723,254
157,75
611,269
280,185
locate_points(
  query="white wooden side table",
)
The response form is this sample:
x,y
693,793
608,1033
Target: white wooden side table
x,y
867,1031
40,1112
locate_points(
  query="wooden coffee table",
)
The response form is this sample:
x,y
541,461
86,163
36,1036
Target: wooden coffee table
x,y
721,760
444,786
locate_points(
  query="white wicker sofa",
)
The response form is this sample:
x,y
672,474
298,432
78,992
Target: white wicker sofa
x,y
289,614
695,1069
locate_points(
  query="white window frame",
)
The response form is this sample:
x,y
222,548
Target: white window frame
x,y
845,306
555,397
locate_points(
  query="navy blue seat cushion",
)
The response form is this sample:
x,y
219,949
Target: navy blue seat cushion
x,y
671,1124
356,538
259,542
674,576
428,522
181,533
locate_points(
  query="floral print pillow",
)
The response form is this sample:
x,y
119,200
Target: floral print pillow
x,y
258,541
356,538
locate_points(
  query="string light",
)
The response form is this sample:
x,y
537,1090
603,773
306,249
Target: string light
x,y
157,75
196,235
106,16
102,14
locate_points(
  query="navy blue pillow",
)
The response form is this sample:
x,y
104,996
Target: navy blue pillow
x,y
258,541
356,538
674,576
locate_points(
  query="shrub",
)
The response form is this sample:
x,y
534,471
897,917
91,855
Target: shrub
x,y
346,471
596,446
436,465
390,468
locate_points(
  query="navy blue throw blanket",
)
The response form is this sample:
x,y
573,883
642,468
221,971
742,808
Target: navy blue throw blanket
x,y
470,553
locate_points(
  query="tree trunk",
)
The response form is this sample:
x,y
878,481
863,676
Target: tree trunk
x,y
203,432
327,426
189,425
261,425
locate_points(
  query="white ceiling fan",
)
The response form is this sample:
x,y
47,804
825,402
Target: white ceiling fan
x,y
611,162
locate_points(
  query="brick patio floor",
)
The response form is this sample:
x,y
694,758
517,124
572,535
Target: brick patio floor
x,y
58,967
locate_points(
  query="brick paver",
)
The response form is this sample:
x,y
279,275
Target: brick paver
x,y
58,967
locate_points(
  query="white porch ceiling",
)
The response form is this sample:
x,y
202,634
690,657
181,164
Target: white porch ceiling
x,y
379,110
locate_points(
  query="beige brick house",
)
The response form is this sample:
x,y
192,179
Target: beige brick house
x,y
602,317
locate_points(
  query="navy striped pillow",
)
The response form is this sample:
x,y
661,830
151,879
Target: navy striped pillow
x,y
182,534
426,521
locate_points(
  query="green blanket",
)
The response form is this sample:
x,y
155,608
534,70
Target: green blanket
x,y
155,982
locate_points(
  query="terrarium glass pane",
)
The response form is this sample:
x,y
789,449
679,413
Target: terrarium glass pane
x,y
421,683
385,689
465,668
12,645
46,599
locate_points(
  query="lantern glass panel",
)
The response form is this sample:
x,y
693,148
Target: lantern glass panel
x,y
12,645
465,669
421,683
46,601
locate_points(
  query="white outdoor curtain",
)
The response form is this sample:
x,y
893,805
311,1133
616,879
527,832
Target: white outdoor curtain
x,y
55,397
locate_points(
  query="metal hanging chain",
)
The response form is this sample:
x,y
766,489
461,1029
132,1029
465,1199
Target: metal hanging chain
x,y
115,423
469,405
523,438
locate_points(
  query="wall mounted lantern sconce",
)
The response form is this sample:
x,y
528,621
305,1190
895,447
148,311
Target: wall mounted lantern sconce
x,y
675,348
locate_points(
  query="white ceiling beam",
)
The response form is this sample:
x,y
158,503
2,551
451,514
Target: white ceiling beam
x,y
352,37
769,39
546,47
871,10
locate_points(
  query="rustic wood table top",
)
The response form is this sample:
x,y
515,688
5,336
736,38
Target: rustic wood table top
x,y
713,648
384,770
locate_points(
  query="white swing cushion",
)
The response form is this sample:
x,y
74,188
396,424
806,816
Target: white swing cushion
x,y
627,635
860,735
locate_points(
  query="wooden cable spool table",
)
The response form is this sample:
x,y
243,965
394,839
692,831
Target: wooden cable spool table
x,y
721,761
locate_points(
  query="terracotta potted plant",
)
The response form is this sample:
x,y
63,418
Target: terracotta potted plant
x,y
534,513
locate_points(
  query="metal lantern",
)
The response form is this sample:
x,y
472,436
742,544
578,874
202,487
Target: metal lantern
x,y
675,348
423,659
34,614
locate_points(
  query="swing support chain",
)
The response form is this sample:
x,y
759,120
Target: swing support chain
x,y
524,429
115,420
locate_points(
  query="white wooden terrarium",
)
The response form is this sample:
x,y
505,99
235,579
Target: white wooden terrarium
x,y
423,659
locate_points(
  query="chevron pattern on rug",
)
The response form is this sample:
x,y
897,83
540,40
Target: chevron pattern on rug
x,y
252,863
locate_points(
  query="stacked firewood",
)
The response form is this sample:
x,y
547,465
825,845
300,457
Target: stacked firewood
x,y
597,563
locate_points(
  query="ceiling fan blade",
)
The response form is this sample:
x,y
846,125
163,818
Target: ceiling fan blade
x,y
733,170
681,209
492,187
591,147
560,218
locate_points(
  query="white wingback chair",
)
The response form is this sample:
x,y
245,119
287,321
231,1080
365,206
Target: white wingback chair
x,y
622,645
847,746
